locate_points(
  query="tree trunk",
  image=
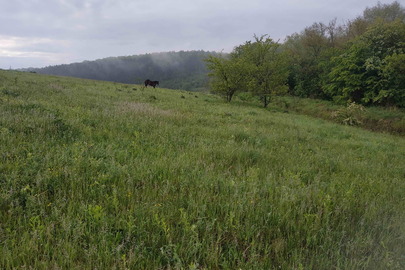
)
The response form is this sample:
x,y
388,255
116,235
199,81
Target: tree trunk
x,y
229,96
266,101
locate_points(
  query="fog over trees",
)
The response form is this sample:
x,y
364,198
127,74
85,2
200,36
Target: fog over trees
x,y
176,70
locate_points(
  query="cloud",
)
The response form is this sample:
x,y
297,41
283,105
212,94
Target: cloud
x,y
31,51
77,30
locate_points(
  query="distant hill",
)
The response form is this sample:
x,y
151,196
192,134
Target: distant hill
x,y
176,70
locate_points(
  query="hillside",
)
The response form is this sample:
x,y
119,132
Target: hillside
x,y
176,70
103,175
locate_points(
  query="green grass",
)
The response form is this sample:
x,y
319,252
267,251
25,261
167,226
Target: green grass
x,y
97,175
389,120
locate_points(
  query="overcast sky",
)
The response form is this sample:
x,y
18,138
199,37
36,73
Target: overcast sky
x,y
38,33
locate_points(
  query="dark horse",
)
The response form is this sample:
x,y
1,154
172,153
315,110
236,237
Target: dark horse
x,y
151,83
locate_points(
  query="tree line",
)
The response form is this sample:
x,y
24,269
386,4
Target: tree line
x,y
362,61
176,70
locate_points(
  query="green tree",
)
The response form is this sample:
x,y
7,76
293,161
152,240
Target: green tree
x,y
267,67
303,67
386,12
369,71
356,27
228,75
308,55
311,52
393,87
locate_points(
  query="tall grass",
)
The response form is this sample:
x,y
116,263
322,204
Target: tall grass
x,y
97,175
389,120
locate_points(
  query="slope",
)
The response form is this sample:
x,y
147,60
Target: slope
x,y
105,175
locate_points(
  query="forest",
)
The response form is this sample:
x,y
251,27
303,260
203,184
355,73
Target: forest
x,y
362,61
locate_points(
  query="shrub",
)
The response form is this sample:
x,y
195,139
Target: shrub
x,y
351,115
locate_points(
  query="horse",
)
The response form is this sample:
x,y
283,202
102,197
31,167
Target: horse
x,y
151,83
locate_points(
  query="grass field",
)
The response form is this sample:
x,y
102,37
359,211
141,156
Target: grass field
x,y
97,175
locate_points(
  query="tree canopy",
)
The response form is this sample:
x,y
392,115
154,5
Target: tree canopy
x,y
256,66
369,71
361,61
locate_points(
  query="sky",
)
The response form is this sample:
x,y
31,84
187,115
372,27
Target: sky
x,y
39,33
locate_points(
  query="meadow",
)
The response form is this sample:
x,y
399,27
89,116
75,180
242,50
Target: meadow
x,y
102,175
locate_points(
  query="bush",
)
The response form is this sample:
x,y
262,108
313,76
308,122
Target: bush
x,y
351,115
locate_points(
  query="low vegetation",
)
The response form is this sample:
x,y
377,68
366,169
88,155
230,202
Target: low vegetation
x,y
100,175
387,120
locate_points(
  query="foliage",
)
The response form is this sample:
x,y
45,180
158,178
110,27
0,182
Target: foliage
x,y
351,115
267,67
258,67
351,62
365,73
309,56
387,12
393,72
229,75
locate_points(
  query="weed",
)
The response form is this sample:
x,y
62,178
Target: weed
x,y
352,115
